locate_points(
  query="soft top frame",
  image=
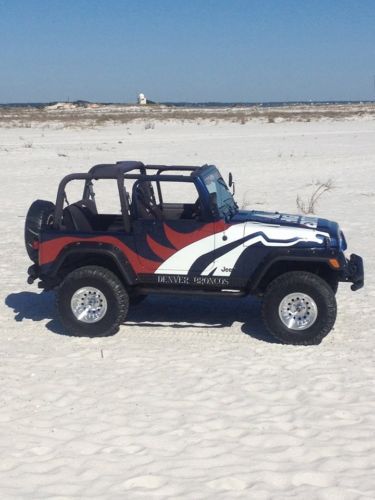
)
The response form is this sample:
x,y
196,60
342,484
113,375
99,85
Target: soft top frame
x,y
119,171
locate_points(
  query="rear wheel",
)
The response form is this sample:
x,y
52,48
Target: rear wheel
x,y
92,302
299,308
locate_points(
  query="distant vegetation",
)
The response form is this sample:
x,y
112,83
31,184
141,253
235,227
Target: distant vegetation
x,y
85,115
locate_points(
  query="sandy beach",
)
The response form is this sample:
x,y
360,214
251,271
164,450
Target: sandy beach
x,y
192,399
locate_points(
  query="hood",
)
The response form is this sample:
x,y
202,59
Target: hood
x,y
290,220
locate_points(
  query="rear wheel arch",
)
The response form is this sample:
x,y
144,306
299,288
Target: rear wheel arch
x,y
108,258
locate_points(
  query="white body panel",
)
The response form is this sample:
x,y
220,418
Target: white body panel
x,y
182,261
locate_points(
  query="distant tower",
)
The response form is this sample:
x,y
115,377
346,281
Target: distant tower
x,y
142,99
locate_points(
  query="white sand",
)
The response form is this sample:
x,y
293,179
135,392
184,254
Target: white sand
x,y
191,399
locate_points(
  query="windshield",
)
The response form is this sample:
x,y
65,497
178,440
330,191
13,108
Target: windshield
x,y
215,184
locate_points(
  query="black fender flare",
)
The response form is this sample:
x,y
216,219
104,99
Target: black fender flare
x,y
261,271
99,251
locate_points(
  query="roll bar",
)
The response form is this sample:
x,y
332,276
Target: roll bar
x,y
119,171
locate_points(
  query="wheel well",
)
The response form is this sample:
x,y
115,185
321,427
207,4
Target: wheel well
x,y
76,260
283,266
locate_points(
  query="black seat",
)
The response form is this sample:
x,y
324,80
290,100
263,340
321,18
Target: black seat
x,y
144,204
89,206
75,218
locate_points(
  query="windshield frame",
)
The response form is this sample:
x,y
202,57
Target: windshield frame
x,y
218,189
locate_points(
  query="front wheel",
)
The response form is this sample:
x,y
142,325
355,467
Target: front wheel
x,y
92,302
299,308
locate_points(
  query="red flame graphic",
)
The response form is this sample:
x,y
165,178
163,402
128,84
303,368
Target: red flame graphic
x,y
49,250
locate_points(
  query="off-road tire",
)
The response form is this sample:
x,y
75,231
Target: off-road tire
x,y
302,282
333,283
39,217
109,285
135,299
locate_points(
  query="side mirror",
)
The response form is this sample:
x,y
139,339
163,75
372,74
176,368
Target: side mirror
x,y
231,182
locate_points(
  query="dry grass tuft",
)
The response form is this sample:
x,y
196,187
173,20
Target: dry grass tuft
x,y
308,206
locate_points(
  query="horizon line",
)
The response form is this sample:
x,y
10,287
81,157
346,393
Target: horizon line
x,y
150,102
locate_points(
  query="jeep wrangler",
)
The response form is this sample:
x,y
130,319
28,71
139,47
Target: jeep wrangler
x,y
102,263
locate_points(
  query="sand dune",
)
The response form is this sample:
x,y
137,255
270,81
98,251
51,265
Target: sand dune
x,y
191,399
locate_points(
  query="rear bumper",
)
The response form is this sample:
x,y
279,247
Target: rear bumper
x,y
33,274
353,272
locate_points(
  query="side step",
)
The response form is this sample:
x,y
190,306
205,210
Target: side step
x,y
145,290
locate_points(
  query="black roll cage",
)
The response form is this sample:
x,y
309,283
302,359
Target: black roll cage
x,y
120,171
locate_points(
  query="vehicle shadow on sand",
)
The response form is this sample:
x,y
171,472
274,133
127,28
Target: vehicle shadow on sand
x,y
173,312
35,306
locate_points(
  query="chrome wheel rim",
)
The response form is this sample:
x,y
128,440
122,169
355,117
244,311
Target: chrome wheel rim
x,y
88,304
298,311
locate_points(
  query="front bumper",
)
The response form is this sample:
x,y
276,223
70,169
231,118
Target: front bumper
x,y
353,272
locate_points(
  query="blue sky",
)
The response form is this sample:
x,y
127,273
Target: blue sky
x,y
187,50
